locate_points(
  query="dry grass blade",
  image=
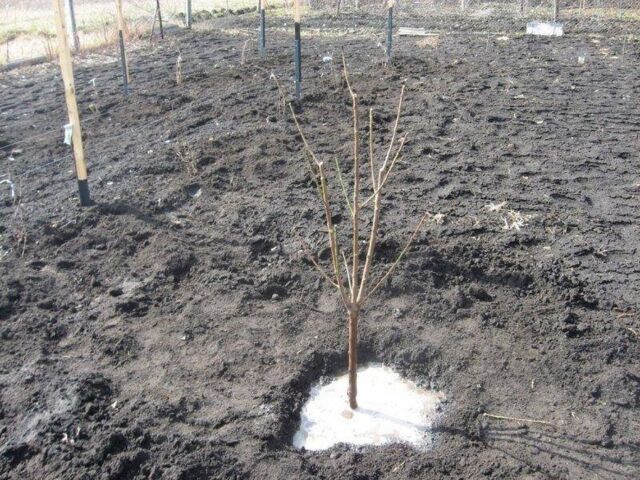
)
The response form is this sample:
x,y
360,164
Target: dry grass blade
x,y
516,419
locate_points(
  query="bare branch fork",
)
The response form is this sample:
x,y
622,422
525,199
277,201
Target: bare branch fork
x,y
353,280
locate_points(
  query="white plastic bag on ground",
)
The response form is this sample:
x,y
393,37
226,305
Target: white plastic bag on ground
x,y
547,29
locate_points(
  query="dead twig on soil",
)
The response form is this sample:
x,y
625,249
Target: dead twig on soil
x,y
517,419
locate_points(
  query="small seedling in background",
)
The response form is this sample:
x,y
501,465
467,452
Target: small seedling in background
x,y
179,69
282,99
187,158
49,49
352,281
244,51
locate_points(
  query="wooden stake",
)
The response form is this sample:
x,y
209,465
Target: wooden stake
x,y
66,67
120,17
73,31
126,78
556,10
188,14
296,11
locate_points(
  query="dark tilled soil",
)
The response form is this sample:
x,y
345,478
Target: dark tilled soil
x,y
173,329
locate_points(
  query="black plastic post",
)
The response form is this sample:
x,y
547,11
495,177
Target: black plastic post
x,y
263,27
72,24
123,61
83,190
298,60
389,32
160,19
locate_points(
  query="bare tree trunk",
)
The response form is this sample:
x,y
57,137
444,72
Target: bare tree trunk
x,y
353,357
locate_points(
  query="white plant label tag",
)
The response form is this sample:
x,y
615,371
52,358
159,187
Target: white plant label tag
x,y
68,133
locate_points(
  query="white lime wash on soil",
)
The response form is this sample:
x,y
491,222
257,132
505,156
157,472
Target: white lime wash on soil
x,y
390,410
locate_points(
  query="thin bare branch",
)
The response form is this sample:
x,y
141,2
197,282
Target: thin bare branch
x,y
333,243
346,269
304,139
307,250
402,253
371,153
393,162
314,175
377,208
346,74
383,179
355,214
322,272
395,131
343,185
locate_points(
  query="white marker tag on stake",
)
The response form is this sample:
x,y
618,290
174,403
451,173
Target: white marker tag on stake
x,y
68,133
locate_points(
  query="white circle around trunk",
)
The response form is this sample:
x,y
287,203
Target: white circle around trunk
x,y
390,410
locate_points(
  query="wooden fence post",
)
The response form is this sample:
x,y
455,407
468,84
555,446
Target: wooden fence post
x,y
298,47
556,10
73,31
188,14
66,67
123,54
